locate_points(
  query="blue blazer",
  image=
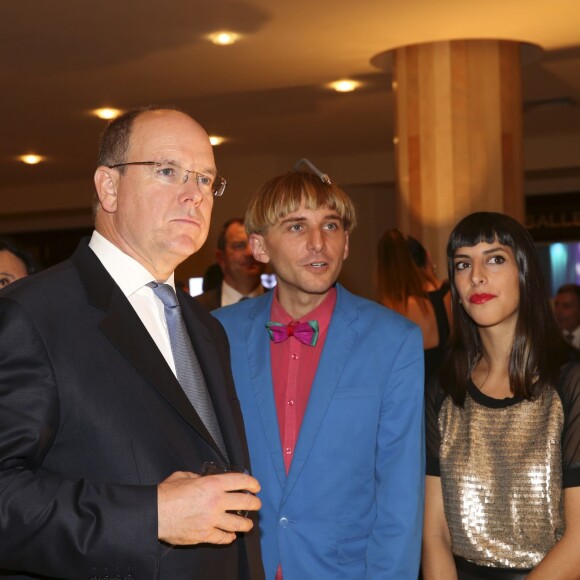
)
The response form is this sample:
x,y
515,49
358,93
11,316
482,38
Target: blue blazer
x,y
352,504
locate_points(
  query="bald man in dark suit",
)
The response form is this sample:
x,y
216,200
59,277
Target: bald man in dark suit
x,y
100,447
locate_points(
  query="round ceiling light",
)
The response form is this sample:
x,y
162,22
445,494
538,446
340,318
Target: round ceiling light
x,y
224,37
107,113
31,159
345,86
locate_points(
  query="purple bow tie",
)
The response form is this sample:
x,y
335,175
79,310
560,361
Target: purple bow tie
x,y
305,332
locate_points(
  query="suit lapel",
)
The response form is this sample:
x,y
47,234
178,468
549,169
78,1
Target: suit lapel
x,y
260,369
340,339
123,327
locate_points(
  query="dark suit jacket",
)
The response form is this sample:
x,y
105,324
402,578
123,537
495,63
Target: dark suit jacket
x,y
91,420
212,299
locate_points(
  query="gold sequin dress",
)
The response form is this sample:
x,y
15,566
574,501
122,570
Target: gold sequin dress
x,y
503,466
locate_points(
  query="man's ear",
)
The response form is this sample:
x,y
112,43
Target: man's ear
x,y
346,246
258,246
106,182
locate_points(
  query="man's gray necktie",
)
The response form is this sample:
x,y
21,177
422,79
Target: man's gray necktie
x,y
187,366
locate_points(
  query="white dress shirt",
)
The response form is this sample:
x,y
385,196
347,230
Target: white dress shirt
x,y
231,295
575,337
132,278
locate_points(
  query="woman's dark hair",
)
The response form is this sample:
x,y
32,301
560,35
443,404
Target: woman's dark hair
x,y
418,251
212,277
538,349
31,264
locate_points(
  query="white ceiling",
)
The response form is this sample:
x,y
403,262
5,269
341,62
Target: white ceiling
x,y
61,58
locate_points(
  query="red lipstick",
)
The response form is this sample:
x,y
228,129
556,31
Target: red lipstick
x,y
481,298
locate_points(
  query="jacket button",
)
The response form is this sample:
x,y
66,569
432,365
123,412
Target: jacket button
x,y
283,522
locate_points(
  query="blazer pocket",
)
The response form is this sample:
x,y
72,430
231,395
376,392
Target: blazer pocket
x,y
352,550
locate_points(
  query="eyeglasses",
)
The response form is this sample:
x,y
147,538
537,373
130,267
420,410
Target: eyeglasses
x,y
173,174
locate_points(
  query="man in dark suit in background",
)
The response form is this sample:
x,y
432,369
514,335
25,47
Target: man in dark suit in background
x,y
241,272
100,447
567,310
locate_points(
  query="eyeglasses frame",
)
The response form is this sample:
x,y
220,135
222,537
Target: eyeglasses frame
x,y
218,193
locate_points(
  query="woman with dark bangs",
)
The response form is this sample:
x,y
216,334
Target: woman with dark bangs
x,y
503,421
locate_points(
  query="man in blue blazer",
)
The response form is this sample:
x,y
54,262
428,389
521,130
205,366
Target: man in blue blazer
x,y
331,389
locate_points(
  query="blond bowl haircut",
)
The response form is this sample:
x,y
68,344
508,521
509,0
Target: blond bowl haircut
x,y
285,193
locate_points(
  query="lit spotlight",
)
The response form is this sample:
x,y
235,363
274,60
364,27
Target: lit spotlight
x,y
345,86
224,38
107,113
216,140
31,159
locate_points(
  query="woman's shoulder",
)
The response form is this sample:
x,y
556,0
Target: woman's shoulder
x,y
569,382
435,394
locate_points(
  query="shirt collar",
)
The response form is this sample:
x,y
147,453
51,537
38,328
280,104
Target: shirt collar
x,y
230,295
322,313
129,274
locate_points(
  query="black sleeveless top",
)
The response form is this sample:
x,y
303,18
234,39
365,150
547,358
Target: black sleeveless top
x,y
434,356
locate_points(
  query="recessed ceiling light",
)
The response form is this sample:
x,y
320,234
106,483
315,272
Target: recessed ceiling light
x,y
345,86
31,159
107,113
224,37
216,140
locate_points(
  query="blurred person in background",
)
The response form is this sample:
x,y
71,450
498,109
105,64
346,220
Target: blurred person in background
x,y
15,262
241,272
212,277
567,309
416,293
424,261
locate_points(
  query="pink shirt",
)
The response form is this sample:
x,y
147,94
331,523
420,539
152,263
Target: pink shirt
x,y
294,366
